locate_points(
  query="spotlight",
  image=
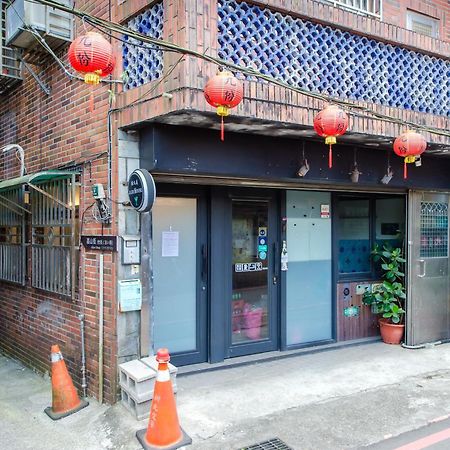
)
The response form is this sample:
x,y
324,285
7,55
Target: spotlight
x,y
388,176
354,174
304,169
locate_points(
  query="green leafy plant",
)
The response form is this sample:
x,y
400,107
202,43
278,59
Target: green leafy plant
x,y
388,298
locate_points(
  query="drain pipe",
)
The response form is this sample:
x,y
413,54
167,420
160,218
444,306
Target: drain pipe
x,y
83,356
100,334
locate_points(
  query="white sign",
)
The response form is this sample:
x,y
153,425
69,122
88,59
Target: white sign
x,y
325,211
170,243
248,267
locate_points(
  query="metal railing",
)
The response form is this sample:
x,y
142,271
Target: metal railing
x,y
373,8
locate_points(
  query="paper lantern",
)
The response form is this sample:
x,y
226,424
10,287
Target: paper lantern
x,y
92,55
330,123
223,91
409,145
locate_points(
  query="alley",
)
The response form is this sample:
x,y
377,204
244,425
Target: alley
x,y
347,398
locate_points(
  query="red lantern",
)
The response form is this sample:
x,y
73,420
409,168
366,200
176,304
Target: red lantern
x,y
92,55
330,123
223,91
409,145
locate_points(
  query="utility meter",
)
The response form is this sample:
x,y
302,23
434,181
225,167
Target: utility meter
x,y
131,250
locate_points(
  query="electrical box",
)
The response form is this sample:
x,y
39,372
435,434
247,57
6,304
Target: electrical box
x,y
98,192
130,295
131,250
54,25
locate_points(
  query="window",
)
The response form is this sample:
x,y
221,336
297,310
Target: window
x,y
422,24
12,238
362,222
53,236
371,8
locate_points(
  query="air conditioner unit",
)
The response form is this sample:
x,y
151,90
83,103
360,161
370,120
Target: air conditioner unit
x,y
55,25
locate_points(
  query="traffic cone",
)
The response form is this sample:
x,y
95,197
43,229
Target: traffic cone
x,y
65,398
163,431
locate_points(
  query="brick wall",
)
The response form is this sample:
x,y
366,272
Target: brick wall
x,y
395,11
194,25
56,131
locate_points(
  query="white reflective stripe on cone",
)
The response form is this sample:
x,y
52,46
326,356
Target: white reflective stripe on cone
x,y
163,375
57,357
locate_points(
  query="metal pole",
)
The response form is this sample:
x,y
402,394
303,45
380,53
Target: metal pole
x,y
83,356
100,334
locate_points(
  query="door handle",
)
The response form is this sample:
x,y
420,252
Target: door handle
x,y
204,262
422,266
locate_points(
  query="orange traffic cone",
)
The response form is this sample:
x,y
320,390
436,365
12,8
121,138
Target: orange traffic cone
x,y
65,399
163,431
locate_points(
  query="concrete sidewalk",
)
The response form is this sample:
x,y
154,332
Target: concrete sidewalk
x,y
345,398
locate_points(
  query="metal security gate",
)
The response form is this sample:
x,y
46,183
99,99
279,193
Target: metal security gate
x,y
428,304
53,235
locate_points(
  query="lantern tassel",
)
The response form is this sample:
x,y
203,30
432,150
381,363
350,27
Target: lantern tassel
x,y
222,130
330,157
405,170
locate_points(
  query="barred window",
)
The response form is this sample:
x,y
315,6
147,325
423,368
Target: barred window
x,y
12,236
53,236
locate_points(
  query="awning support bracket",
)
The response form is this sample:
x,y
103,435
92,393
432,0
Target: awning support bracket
x,y
12,208
41,191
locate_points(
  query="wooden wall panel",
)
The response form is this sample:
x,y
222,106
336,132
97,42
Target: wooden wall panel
x,y
364,324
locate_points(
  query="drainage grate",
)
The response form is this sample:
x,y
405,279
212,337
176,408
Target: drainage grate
x,y
271,444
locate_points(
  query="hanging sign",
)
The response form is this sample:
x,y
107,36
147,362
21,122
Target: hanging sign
x,y
141,190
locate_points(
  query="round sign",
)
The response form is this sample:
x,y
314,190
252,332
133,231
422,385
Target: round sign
x,y
141,190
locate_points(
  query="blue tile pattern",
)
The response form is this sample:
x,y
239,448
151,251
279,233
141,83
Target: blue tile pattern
x,y
330,61
144,64
354,254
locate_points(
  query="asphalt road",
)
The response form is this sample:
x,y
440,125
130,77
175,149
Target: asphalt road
x,y
435,436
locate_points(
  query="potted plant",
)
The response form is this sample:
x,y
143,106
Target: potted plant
x,y
388,298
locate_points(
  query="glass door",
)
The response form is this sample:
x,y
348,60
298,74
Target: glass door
x,y
180,270
253,303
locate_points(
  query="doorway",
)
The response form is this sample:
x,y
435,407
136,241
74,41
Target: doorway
x,y
428,304
253,303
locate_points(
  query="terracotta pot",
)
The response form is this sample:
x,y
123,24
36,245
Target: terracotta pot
x,y
391,333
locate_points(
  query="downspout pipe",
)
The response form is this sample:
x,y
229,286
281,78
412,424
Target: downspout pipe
x,y
100,333
83,356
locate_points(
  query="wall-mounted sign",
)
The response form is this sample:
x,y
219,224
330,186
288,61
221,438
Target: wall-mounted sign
x,y
324,211
141,190
108,243
351,311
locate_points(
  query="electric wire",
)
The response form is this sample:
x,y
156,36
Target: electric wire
x,y
169,46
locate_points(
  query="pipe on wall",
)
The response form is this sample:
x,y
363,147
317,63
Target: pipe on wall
x,y
100,332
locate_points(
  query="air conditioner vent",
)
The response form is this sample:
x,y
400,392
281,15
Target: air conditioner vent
x,y
54,25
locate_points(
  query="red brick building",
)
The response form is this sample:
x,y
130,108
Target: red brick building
x,y
391,57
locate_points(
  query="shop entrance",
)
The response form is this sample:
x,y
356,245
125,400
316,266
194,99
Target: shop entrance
x,y
254,278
